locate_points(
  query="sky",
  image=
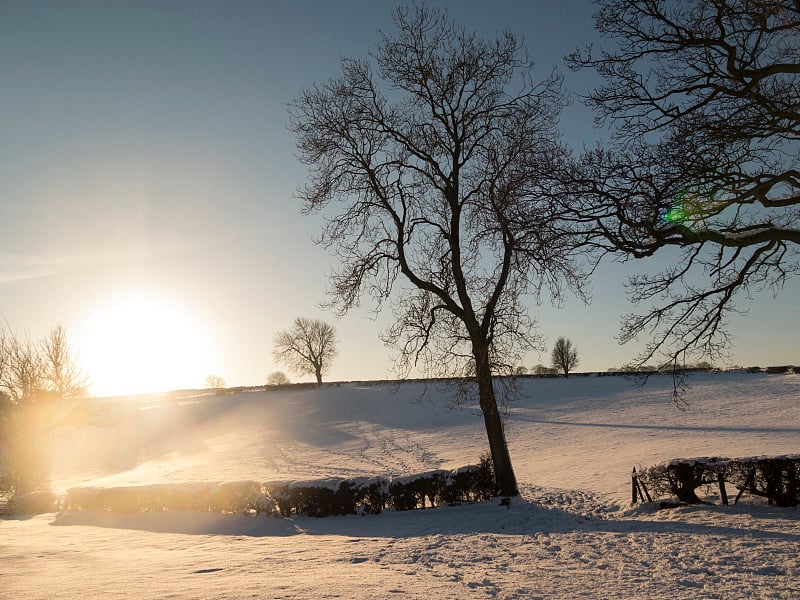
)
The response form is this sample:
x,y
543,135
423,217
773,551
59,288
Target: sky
x,y
148,187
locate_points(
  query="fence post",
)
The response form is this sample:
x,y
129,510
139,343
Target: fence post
x,y
722,492
643,488
634,487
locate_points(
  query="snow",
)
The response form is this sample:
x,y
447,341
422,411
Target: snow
x,y
571,535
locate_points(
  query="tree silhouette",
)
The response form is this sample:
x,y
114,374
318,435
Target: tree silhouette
x,y
61,372
564,356
30,370
307,348
41,388
22,370
433,156
278,378
213,382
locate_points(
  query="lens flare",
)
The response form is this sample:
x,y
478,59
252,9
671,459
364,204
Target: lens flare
x,y
686,210
675,215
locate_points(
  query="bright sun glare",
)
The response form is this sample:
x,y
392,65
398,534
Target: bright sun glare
x,y
141,342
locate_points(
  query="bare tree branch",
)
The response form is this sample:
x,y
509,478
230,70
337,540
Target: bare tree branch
x,y
704,98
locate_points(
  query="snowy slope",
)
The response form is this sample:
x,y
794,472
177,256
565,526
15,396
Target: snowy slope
x,y
573,443
580,433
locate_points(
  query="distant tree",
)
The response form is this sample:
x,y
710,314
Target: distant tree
x,y
436,152
307,348
214,382
703,97
541,369
278,378
564,356
520,370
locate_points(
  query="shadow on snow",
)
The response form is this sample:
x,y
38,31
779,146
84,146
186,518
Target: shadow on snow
x,y
521,519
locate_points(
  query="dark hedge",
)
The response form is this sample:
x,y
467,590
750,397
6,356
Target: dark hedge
x,y
319,498
775,478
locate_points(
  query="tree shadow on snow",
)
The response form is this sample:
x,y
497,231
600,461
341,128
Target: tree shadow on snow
x,y
187,523
522,518
648,426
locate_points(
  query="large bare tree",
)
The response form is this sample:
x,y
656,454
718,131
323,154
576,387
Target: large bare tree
x,y
308,347
431,155
704,100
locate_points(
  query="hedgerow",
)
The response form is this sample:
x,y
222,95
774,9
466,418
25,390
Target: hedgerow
x,y
317,498
775,478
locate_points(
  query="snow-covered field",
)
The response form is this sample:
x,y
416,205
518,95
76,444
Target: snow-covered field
x,y
571,535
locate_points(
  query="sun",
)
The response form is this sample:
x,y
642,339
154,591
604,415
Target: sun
x,y
141,342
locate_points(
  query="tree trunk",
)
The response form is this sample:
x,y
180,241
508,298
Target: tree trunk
x,y
318,373
504,471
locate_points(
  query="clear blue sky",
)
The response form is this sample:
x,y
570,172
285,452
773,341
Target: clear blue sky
x,y
148,176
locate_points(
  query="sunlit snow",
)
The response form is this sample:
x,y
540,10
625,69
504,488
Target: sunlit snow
x,y
572,534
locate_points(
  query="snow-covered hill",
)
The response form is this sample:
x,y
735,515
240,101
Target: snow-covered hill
x,y
582,433
573,443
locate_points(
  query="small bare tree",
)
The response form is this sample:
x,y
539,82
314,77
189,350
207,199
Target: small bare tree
x,y
436,153
564,356
214,382
704,99
22,370
278,378
541,369
29,370
308,348
34,378
61,371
